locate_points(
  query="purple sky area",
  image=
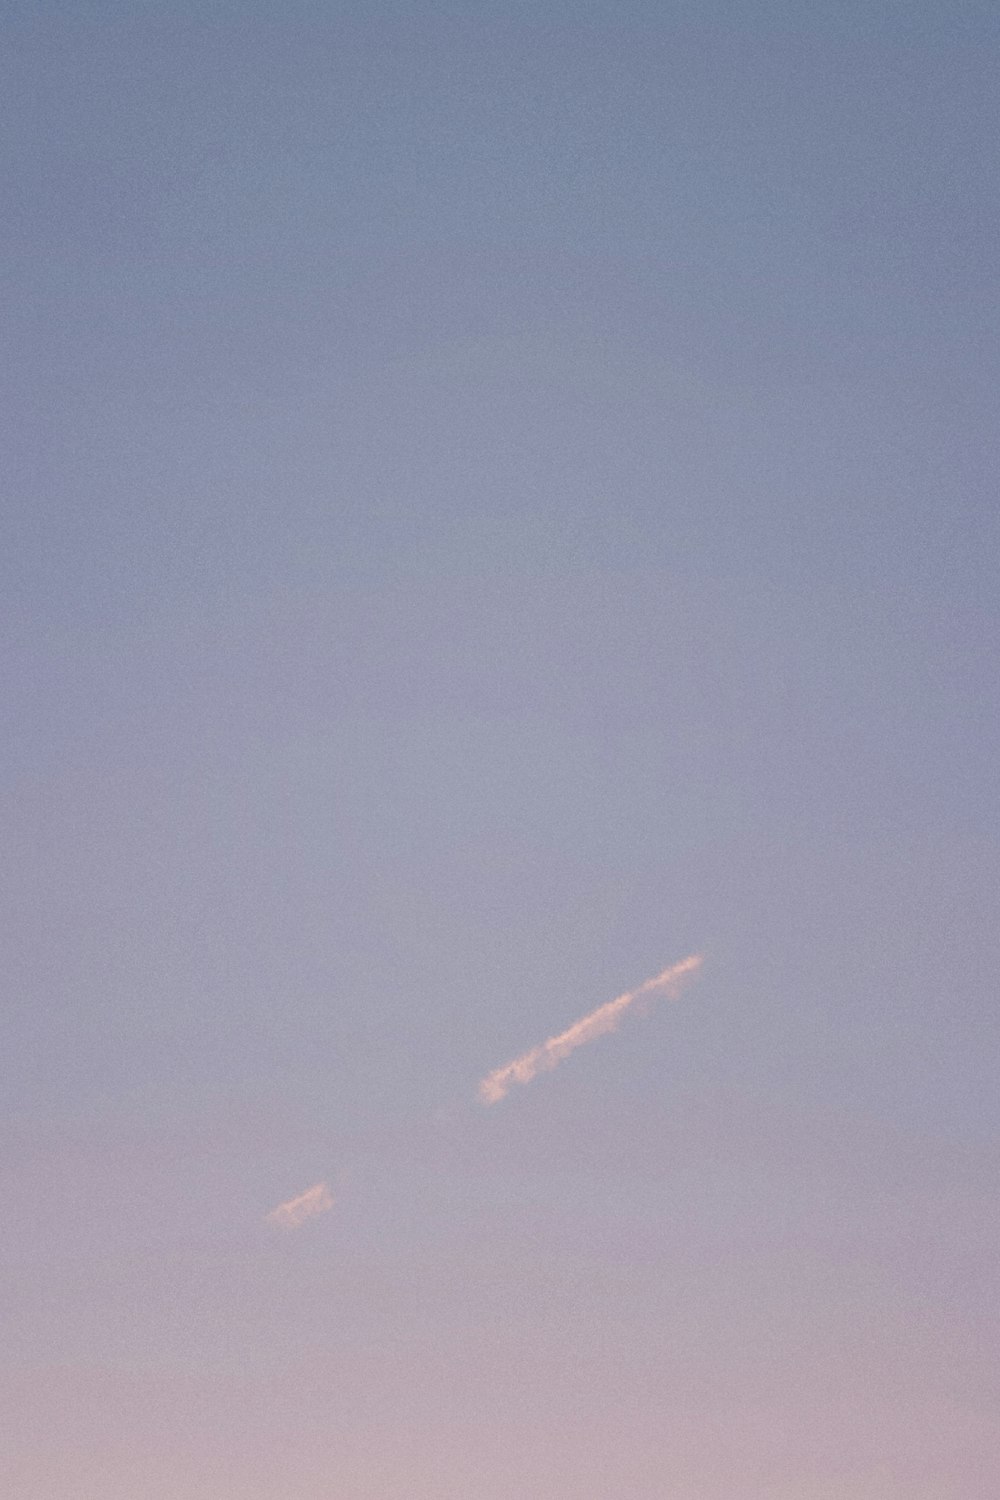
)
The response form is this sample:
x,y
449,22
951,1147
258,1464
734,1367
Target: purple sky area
x,y
499,498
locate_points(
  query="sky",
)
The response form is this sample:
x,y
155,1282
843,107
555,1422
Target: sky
x,y
500,499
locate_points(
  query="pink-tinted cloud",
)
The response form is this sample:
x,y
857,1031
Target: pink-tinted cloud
x,y
316,1200
608,1017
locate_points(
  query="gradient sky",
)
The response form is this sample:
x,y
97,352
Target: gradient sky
x,y
499,498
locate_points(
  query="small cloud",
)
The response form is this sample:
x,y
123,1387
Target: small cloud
x,y
316,1200
608,1017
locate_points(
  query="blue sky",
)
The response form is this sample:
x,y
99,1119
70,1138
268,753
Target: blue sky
x,y
500,498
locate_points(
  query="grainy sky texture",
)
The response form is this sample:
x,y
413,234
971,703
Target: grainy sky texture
x,y
498,497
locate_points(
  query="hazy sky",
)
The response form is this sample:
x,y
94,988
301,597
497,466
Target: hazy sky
x,y
499,498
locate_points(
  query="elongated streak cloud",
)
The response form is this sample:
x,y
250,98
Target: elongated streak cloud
x,y
306,1206
608,1017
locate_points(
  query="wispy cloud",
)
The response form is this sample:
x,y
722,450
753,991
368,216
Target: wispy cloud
x,y
608,1017
306,1206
